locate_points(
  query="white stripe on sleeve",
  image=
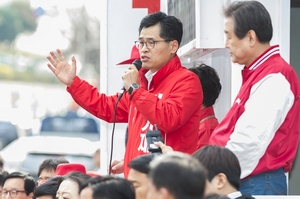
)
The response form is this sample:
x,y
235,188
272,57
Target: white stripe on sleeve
x,y
269,102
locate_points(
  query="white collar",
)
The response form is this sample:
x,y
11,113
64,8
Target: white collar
x,y
149,75
234,194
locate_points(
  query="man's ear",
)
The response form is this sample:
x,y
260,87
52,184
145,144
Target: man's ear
x,y
174,46
30,195
252,38
165,193
221,180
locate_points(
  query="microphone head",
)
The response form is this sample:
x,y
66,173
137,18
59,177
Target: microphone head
x,y
137,63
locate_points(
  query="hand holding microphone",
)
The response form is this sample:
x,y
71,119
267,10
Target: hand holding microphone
x,y
131,76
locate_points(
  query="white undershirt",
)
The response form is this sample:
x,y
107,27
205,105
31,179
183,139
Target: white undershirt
x,y
149,76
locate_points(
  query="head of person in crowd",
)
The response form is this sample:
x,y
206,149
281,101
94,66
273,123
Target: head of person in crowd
x,y
48,189
70,184
138,174
3,174
48,167
108,187
18,185
176,175
162,31
223,169
210,82
248,29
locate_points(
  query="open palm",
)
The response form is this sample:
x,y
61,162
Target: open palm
x,y
61,68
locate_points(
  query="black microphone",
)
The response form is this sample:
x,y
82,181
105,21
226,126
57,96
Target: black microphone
x,y
138,64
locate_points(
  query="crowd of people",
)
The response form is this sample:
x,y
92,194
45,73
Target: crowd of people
x,y
247,153
172,174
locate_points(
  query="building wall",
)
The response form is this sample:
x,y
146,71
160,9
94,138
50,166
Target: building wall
x,y
119,29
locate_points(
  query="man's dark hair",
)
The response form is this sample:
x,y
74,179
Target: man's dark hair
x,y
210,82
170,26
3,174
50,164
182,175
250,15
110,187
217,160
1,162
29,182
78,177
141,163
50,187
215,196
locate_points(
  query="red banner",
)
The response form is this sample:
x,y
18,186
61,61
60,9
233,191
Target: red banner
x,y
152,5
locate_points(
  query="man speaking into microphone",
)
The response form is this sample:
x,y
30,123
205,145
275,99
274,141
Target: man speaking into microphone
x,y
163,96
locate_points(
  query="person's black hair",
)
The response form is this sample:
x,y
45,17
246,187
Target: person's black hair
x,y
250,15
182,175
1,162
215,196
3,174
50,164
217,160
29,182
78,177
110,187
170,26
141,163
50,187
210,83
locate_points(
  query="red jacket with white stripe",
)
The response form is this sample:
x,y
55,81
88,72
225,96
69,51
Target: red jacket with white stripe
x,y
172,103
262,126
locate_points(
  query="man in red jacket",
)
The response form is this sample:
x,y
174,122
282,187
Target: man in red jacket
x,y
262,126
163,95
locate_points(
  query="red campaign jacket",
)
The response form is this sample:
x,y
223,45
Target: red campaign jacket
x,y
262,126
172,103
208,123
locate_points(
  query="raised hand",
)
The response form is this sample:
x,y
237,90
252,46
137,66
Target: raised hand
x,y
61,68
164,148
117,166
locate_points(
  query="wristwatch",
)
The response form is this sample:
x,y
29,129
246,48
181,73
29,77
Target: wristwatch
x,y
133,87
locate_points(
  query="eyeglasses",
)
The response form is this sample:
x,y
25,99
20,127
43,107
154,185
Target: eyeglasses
x,y
13,193
149,44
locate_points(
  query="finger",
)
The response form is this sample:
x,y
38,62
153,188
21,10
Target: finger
x,y
51,68
131,67
73,61
61,55
51,60
159,144
54,57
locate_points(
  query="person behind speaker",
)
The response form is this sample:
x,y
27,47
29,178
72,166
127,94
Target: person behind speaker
x,y
162,94
211,87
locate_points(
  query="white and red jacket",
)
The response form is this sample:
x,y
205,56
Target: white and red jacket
x,y
172,103
262,126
